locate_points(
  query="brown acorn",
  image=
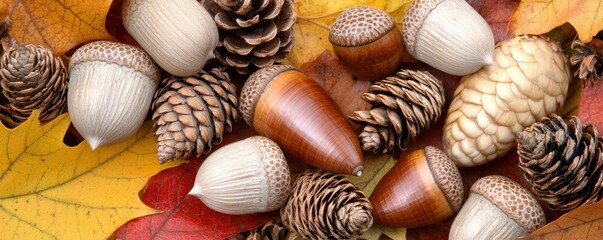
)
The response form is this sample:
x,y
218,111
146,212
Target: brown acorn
x,y
285,105
423,188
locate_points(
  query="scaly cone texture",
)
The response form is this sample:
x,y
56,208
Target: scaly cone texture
x,y
273,230
404,105
323,205
192,113
528,80
589,61
562,160
32,78
253,33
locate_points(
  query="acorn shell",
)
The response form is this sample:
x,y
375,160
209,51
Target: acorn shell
x,y
285,105
423,188
111,86
247,176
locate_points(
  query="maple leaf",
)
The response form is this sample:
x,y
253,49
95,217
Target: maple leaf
x,y
539,17
584,222
52,191
59,25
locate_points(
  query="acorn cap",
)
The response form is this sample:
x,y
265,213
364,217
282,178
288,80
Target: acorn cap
x,y
360,25
512,199
117,53
277,171
447,176
413,20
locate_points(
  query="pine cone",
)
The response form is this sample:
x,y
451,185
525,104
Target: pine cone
x,y
273,230
589,61
32,79
562,161
404,105
253,34
193,112
323,205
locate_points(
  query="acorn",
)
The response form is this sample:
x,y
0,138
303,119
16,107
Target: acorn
x,y
448,35
111,86
285,105
180,35
247,176
367,41
423,188
497,208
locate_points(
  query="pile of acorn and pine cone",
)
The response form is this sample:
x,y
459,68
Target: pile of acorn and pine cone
x,y
508,97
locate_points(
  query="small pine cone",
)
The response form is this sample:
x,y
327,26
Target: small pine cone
x,y
273,230
589,61
193,113
404,105
32,78
324,205
527,81
562,160
253,33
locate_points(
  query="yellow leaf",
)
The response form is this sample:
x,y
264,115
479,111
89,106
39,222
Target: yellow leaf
x,y
315,18
58,24
52,191
539,17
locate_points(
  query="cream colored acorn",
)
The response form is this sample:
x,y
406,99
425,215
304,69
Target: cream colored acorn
x,y
247,176
448,35
180,35
528,80
111,86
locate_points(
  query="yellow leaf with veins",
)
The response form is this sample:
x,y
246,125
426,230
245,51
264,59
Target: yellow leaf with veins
x,y
315,18
52,191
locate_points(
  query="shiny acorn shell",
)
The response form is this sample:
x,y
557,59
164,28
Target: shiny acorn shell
x,y
285,105
423,188
247,176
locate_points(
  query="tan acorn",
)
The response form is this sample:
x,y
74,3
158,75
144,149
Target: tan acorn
x,y
423,188
497,208
111,86
180,35
448,35
247,176
528,80
285,105
367,40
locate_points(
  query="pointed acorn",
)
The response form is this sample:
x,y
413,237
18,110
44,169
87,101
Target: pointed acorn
x,y
423,188
285,105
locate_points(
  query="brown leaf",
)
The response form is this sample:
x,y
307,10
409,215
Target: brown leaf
x,y
584,222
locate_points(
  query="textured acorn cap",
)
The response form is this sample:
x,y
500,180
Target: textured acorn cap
x,y
416,13
512,199
447,176
360,25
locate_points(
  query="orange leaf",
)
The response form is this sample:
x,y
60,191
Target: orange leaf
x,y
584,222
58,24
538,17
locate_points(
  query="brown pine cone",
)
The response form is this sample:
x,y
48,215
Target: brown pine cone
x,y
589,62
193,113
404,105
253,34
32,79
562,161
273,230
323,205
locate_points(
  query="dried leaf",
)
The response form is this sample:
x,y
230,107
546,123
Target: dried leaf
x,y
589,109
584,222
539,17
58,24
497,14
51,191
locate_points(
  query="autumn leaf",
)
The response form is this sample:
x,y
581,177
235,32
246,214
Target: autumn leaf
x,y
497,14
590,106
584,222
539,17
59,25
52,191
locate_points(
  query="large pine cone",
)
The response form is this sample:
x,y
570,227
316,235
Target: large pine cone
x,y
404,105
193,113
32,79
253,33
323,205
528,80
562,161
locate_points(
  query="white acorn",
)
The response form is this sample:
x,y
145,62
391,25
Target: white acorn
x,y
247,176
448,35
180,35
111,86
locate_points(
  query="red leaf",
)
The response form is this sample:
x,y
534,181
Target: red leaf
x,y
184,216
591,105
498,14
